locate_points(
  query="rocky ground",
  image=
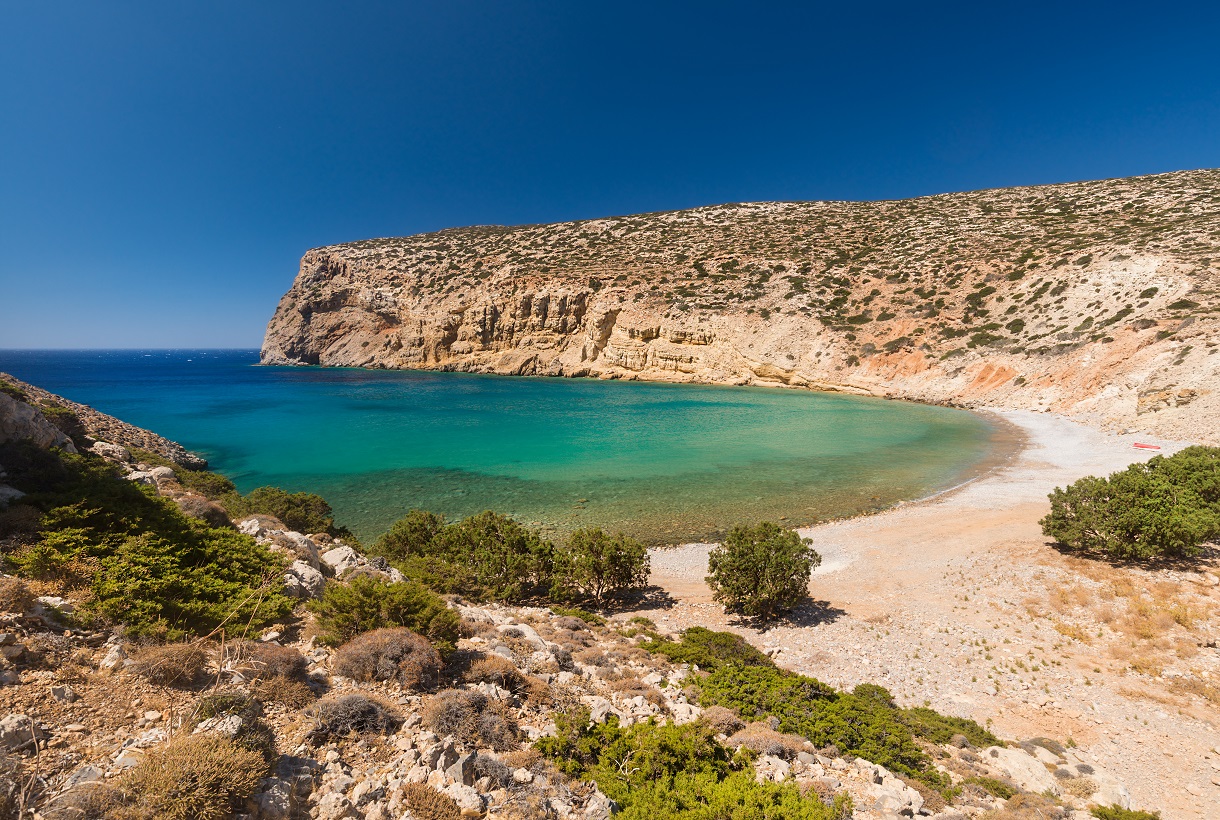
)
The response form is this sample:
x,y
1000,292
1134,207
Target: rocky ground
x,y
81,707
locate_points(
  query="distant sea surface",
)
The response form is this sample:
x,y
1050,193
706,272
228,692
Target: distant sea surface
x,y
666,463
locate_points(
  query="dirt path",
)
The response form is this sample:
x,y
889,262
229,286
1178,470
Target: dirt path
x,y
959,602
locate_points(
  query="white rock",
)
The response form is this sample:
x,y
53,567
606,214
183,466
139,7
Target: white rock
x,y
111,452
303,581
114,659
468,800
341,559
161,473
142,477
16,730
1024,769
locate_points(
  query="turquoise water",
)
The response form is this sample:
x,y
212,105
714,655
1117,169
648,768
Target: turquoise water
x,y
667,463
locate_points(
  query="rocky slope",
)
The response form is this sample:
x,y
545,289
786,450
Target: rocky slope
x,y
1095,299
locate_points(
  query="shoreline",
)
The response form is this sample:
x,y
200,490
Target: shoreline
x,y
959,602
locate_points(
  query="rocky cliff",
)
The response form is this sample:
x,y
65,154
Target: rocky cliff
x,y
1094,299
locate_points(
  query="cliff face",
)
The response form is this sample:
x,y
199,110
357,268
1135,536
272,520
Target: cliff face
x,y
1095,299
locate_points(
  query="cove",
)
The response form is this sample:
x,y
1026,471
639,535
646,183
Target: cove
x,y
665,463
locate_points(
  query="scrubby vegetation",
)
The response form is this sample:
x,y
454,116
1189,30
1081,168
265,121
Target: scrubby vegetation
x,y
761,571
130,556
492,557
1165,508
708,649
345,610
596,565
681,772
864,722
303,512
198,777
397,655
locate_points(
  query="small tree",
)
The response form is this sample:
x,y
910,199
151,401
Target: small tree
x,y
501,558
597,565
761,571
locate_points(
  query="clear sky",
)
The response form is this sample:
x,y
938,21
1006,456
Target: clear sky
x,y
163,165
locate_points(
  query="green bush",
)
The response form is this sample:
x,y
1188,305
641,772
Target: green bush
x,y
709,650
409,536
596,565
1119,813
13,391
576,612
1167,507
346,610
302,512
995,788
152,568
485,556
940,729
864,723
761,571
678,772
67,422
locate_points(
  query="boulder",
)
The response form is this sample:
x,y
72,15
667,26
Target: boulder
x,y
19,420
303,581
111,452
18,731
341,560
1022,768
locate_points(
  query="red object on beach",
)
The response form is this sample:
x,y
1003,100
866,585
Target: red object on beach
x,y
1140,446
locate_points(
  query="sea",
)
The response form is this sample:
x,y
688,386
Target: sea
x,y
665,463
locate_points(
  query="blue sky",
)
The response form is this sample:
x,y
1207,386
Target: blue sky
x,y
163,166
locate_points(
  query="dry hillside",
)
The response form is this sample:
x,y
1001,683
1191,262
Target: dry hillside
x,y
1095,299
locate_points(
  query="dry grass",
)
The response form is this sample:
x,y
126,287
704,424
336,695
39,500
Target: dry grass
x,y
634,687
761,738
199,777
473,718
15,595
1076,633
171,664
267,660
348,715
722,720
291,692
499,671
426,803
390,654
1195,687
1082,787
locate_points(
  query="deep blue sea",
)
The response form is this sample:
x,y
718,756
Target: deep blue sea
x,y
667,463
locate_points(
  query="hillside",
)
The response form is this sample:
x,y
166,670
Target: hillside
x,y
1094,299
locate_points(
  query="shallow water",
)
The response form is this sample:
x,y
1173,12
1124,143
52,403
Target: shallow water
x,y
667,463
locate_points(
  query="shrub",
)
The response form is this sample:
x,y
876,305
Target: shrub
x,y
13,391
350,715
708,649
677,772
396,654
87,801
293,693
473,718
67,422
485,556
761,571
865,725
15,595
151,567
499,671
597,565
302,512
346,610
723,721
426,803
409,536
199,777
1166,507
1119,813
761,738
174,664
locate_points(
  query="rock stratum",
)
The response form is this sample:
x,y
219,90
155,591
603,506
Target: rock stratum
x,y
1098,300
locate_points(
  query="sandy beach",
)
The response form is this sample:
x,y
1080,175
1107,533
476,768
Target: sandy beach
x,y
959,602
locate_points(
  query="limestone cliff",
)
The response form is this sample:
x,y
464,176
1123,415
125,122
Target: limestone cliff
x,y
1095,299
